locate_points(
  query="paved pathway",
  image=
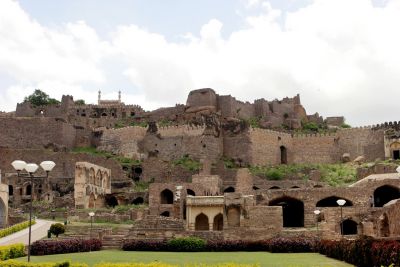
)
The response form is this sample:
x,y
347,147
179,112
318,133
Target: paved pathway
x,y
39,230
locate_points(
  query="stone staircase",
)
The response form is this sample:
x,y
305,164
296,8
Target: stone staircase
x,y
115,239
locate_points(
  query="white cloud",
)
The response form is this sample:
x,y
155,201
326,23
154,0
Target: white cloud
x,y
341,55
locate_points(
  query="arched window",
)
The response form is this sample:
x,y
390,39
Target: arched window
x,y
384,194
349,227
295,187
230,189
331,202
10,190
166,197
201,223
274,187
138,201
92,201
292,209
218,224
283,155
190,192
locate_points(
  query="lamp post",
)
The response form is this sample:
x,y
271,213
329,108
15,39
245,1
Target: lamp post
x,y
30,169
91,214
317,212
341,203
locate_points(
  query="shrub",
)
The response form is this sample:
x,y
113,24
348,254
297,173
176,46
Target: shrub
x,y
12,251
14,263
275,174
159,264
237,245
138,245
186,244
47,247
293,245
15,228
57,229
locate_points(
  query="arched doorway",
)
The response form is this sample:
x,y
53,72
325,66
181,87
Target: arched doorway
x,y
331,202
349,227
218,224
138,201
165,214
190,192
384,230
10,190
112,201
201,223
28,191
233,216
283,155
395,150
166,197
92,201
229,189
292,209
384,194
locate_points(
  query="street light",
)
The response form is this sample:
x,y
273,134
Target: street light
x,y
30,169
91,214
341,203
317,212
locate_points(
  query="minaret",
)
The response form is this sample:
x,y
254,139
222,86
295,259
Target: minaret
x,y
119,96
99,98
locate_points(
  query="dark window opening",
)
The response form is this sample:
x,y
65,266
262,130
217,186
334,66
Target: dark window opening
x,y
104,114
255,188
133,114
292,209
396,154
283,155
165,214
138,201
166,197
10,190
348,227
112,201
274,187
229,190
204,146
384,194
138,170
331,202
190,192
318,186
295,187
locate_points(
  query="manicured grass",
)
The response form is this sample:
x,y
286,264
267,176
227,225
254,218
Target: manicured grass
x,y
263,258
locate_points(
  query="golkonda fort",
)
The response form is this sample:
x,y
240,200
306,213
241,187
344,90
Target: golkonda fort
x,y
238,175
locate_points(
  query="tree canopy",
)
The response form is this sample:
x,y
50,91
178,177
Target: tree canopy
x,y
40,98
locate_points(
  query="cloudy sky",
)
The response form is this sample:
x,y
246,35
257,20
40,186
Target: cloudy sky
x,y
341,56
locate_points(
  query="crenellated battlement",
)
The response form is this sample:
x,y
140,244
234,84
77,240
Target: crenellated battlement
x,y
269,131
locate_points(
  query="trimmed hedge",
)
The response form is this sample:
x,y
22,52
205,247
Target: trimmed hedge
x,y
196,244
14,263
12,251
15,228
47,247
363,252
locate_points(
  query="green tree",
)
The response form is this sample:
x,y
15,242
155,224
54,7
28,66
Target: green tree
x,y
80,102
40,98
57,229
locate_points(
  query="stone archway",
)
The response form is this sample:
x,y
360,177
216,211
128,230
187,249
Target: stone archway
x,y
165,214
201,223
292,210
166,197
384,194
349,227
190,192
395,150
138,201
331,202
112,201
218,224
229,189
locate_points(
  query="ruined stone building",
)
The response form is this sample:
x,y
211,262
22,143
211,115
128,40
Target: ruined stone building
x,y
215,201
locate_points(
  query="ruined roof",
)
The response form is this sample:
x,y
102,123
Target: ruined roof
x,y
375,178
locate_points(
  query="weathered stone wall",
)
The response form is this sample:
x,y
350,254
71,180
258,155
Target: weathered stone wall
x,y
36,133
202,97
315,149
266,146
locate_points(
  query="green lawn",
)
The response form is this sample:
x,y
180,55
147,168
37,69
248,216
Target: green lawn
x,y
263,258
